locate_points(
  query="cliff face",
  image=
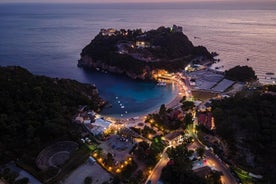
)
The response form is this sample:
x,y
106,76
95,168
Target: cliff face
x,y
87,62
136,53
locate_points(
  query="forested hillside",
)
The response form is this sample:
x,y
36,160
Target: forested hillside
x,y
36,111
248,124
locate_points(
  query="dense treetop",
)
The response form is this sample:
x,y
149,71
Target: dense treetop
x,y
180,171
166,49
248,124
241,73
36,111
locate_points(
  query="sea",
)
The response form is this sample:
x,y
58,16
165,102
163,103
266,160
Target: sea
x,y
47,39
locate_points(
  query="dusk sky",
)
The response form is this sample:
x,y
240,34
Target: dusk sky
x,y
129,1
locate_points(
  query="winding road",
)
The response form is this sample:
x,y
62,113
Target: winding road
x,y
212,160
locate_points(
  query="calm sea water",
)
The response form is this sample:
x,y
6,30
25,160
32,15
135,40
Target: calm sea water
x,y
47,40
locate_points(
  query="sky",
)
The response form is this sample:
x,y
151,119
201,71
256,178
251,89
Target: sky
x,y
128,1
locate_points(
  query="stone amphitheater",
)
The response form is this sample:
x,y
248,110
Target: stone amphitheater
x,y
55,154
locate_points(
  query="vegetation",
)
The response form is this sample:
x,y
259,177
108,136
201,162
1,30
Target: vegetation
x,y
188,120
88,180
271,88
200,151
168,49
181,169
241,73
138,177
247,124
187,105
163,119
54,174
128,170
214,178
8,175
149,153
109,160
36,111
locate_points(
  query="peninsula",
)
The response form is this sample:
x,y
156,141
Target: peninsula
x,y
140,54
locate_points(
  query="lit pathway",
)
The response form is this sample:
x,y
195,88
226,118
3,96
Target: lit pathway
x,y
156,172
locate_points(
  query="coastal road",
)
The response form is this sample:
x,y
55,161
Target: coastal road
x,y
216,163
213,161
156,172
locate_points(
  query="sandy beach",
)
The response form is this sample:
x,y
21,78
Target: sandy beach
x,y
171,104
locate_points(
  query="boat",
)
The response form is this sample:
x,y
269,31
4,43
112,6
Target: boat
x,y
161,84
109,105
122,107
269,73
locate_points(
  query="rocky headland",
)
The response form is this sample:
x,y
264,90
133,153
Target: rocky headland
x,y
139,54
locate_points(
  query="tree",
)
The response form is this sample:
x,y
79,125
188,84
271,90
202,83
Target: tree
x,y
176,174
109,160
187,105
162,110
241,73
37,111
88,180
116,180
142,147
180,154
200,151
9,175
252,117
22,181
214,178
180,171
188,119
183,99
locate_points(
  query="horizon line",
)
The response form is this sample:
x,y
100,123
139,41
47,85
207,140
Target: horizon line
x,y
137,2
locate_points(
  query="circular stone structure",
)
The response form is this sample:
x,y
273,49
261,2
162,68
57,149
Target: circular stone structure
x,y
55,154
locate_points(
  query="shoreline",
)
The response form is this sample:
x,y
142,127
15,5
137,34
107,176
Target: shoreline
x,y
172,103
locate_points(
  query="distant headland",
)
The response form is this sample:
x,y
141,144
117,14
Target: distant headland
x,y
141,54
